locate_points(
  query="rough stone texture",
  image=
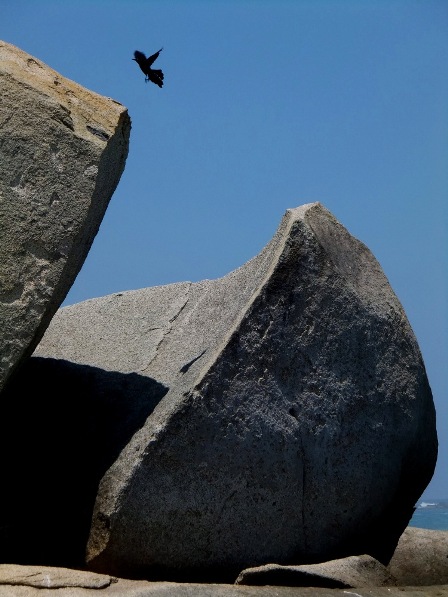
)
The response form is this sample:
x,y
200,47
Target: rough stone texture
x,y
421,557
47,577
354,571
289,416
62,150
18,585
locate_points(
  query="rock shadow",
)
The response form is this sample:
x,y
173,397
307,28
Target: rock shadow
x,y
62,425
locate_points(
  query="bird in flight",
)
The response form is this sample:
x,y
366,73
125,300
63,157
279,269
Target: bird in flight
x,y
154,75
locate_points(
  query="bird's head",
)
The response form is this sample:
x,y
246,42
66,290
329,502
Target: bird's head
x,y
138,56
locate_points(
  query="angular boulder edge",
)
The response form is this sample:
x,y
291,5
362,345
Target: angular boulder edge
x,y
63,150
257,424
296,425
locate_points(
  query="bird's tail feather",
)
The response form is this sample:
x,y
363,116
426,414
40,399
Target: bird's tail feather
x,y
158,76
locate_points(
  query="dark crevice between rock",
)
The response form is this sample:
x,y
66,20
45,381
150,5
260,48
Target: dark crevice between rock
x,y
98,132
62,425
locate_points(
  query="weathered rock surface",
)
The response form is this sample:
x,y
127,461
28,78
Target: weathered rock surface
x,y
351,572
279,414
421,557
47,577
63,149
20,584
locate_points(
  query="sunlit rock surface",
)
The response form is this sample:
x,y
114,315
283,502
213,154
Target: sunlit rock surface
x,y
351,572
288,419
62,149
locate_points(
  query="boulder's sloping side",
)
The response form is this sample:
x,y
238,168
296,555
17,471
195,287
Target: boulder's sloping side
x,y
63,149
421,557
354,571
297,424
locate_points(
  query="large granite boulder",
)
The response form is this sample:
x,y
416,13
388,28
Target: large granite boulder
x,y
280,414
63,149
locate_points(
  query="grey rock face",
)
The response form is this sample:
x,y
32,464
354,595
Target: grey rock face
x,y
351,572
296,424
421,557
62,149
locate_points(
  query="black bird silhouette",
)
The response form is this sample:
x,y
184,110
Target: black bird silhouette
x,y
154,75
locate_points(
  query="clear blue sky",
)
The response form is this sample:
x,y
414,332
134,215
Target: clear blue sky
x,y
267,105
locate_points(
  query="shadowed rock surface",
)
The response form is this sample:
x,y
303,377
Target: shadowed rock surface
x,y
63,149
62,426
298,425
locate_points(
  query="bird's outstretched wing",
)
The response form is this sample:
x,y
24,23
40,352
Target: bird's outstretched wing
x,y
152,58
